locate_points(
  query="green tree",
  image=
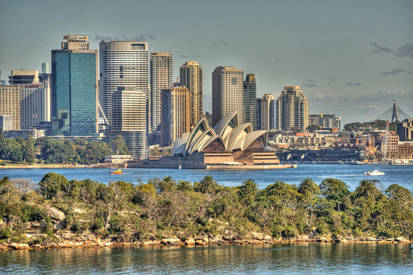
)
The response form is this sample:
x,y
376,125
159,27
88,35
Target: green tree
x,y
52,184
119,146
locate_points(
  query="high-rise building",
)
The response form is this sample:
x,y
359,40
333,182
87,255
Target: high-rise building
x,y
267,112
258,113
34,105
23,77
34,97
191,77
292,109
161,79
130,119
176,114
405,130
227,93
6,122
74,88
45,68
10,103
122,64
325,120
250,100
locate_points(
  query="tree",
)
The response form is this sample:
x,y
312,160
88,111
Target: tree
x,y
207,185
52,184
119,146
248,192
29,154
313,127
335,191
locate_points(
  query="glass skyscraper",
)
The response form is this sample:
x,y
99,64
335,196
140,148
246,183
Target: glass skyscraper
x,y
74,90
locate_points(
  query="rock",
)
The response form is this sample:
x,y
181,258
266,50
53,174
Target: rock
x,y
401,239
257,236
19,246
150,243
190,242
170,241
54,213
200,242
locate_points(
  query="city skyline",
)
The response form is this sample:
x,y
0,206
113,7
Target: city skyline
x,y
353,68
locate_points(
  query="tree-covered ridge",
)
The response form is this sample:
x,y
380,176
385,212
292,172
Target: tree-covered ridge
x,y
371,125
49,150
158,209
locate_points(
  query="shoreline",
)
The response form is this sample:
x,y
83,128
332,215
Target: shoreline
x,y
200,242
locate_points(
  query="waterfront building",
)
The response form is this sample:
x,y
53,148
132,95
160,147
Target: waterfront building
x,y
190,75
250,100
74,88
292,109
176,114
325,121
405,130
6,122
227,93
122,64
10,103
161,79
130,119
267,112
23,77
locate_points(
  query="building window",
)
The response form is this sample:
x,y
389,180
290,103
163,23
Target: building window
x,y
234,81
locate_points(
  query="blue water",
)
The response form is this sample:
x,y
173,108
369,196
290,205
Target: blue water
x,y
350,174
278,259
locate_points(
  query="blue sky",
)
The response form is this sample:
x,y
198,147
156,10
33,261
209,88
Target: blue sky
x,y
351,58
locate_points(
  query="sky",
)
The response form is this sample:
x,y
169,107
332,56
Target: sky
x,y
351,58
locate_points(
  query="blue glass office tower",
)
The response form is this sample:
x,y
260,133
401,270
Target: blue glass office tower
x,y
74,88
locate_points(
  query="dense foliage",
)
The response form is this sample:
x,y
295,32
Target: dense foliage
x,y
49,150
164,208
366,126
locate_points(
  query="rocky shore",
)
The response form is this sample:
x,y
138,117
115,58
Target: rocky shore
x,y
69,240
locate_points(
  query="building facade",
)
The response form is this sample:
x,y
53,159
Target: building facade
x,y
227,93
267,112
176,114
6,122
325,120
161,79
122,64
35,105
10,103
250,100
405,130
190,75
130,119
23,77
74,88
292,109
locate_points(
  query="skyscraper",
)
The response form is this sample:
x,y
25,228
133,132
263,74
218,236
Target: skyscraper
x,y
10,103
227,93
161,78
176,114
74,88
122,64
34,97
130,119
258,113
191,77
292,109
250,100
267,112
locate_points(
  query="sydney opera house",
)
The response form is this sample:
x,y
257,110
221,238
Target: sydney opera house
x,y
227,145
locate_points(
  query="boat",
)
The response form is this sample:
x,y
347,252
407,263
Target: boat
x,y
374,173
117,172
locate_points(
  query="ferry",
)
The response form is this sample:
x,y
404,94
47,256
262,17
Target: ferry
x,y
374,173
117,172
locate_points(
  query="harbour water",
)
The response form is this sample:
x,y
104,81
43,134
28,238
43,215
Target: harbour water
x,y
350,174
281,259
278,259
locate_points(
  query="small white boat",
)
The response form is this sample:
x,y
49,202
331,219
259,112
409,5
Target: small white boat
x,y
374,173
